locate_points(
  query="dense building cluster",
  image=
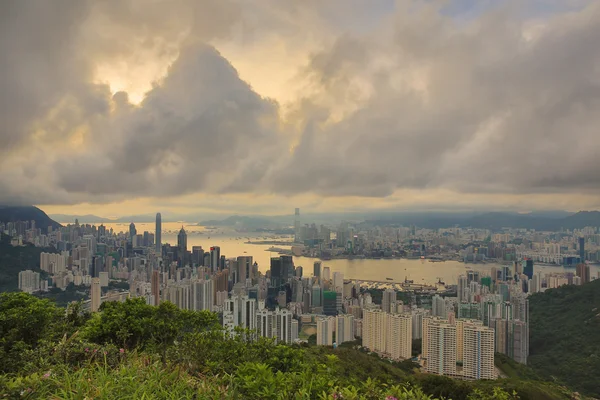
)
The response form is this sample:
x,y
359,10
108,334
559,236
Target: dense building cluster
x,y
461,327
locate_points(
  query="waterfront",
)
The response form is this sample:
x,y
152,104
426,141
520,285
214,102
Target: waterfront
x,y
233,244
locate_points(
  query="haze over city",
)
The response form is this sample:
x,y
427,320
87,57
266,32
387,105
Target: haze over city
x,y
118,108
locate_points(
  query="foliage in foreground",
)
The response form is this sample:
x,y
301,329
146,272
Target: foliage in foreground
x,y
134,351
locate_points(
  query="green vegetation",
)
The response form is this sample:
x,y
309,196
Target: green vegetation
x,y
135,351
565,335
16,259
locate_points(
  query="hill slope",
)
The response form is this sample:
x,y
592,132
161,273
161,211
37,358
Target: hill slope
x,y
27,213
16,259
565,335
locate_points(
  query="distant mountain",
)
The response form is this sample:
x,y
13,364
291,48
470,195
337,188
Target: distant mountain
x,y
83,219
241,222
27,213
542,221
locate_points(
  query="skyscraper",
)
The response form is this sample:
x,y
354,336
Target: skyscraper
x,y
287,267
276,272
158,233
297,225
317,269
582,249
215,258
182,245
528,267
132,232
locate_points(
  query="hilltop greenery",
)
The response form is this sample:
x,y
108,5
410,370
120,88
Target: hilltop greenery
x,y
135,351
565,335
14,259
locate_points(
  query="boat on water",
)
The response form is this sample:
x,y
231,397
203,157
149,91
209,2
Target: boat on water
x,y
389,279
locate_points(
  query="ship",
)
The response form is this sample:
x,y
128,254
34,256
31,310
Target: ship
x,y
389,279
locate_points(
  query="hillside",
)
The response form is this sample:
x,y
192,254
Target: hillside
x,y
27,213
16,259
565,335
133,350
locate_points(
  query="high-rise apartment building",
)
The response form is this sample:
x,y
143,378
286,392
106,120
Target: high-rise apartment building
x,y
388,300
399,336
338,281
203,295
440,346
518,340
460,329
29,281
462,291
241,311
325,329
583,271
478,344
95,295
155,286
344,330
374,330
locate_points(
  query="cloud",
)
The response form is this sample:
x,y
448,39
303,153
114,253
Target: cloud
x,y
498,103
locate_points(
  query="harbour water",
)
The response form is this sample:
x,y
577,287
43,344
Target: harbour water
x,y
234,244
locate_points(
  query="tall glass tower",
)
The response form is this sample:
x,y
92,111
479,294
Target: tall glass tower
x,y
157,235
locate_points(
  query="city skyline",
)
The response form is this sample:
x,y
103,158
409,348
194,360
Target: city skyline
x,y
229,106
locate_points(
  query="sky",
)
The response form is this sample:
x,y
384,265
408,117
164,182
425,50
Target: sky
x,y
129,107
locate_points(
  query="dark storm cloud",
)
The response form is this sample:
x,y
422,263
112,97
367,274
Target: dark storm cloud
x,y
486,105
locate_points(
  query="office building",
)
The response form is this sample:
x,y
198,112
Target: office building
x,y
132,232
317,269
197,256
297,237
316,296
330,303
158,234
215,258
325,329
182,246
244,268
582,249
338,282
528,267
